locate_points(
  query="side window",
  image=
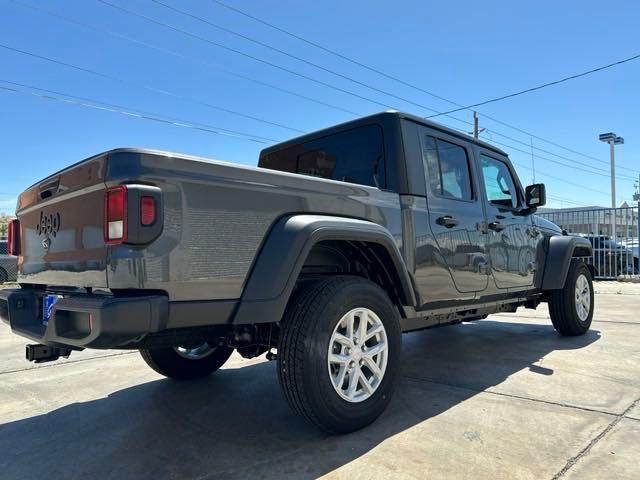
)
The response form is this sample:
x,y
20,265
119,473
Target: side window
x,y
447,169
354,156
3,248
498,183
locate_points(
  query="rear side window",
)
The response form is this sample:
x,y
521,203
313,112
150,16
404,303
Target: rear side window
x,y
354,156
3,248
447,169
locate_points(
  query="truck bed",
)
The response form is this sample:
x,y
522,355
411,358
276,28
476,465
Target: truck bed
x,y
215,217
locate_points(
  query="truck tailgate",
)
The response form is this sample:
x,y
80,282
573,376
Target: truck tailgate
x,y
61,228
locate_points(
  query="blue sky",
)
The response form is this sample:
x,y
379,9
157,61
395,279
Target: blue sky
x,y
464,51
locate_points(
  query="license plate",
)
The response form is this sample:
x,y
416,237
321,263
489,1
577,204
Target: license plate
x,y
48,301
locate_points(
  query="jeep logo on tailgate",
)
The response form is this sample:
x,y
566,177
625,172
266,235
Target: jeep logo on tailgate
x,y
48,224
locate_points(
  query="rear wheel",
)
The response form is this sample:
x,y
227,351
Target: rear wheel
x,y
339,353
571,308
185,363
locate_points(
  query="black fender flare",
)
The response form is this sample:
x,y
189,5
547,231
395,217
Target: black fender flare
x,y
283,253
561,249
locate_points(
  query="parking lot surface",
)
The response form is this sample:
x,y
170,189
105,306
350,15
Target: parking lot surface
x,y
502,398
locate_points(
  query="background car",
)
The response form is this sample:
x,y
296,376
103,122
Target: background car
x,y
8,263
610,258
634,245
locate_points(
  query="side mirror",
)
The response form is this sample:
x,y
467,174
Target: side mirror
x,y
536,195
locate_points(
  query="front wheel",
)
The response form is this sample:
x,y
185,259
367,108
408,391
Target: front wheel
x,y
571,308
186,363
339,353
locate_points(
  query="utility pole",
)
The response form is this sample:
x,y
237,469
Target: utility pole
x,y
475,125
476,128
533,161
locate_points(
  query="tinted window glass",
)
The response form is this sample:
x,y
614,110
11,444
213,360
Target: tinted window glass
x,y
355,156
498,182
447,169
3,248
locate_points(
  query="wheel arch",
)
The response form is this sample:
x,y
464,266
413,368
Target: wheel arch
x,y
306,242
562,249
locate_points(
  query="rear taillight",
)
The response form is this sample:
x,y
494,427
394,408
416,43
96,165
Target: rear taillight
x,y
132,214
115,215
13,237
147,211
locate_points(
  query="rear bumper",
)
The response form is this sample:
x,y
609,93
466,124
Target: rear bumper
x,y
83,321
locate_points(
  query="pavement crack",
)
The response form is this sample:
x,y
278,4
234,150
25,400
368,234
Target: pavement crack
x,y
68,362
509,395
585,451
617,321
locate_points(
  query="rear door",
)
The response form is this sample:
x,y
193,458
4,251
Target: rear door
x,y
512,237
456,215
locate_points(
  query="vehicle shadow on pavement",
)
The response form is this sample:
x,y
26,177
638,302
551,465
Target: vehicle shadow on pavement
x,y
236,424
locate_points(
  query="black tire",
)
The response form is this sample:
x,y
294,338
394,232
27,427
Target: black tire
x,y
307,327
4,277
562,303
168,362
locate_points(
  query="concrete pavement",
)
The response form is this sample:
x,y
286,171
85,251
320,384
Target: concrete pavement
x,y
503,398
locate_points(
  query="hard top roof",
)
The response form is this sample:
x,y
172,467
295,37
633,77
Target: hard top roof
x,y
379,117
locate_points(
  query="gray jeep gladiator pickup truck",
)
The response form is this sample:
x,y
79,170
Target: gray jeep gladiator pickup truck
x,y
322,256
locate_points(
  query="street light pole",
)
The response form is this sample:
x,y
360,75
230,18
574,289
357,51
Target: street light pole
x,y
613,172
612,139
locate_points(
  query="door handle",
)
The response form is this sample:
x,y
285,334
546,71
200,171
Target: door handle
x,y
447,221
496,226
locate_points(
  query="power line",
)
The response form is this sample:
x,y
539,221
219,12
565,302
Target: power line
x,y
552,143
541,86
408,84
109,107
165,92
563,180
150,19
245,54
103,106
295,57
258,42
598,169
145,87
542,158
332,52
248,116
281,51
181,55
560,199
142,86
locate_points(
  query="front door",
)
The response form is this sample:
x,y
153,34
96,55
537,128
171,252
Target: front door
x,y
512,236
456,215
